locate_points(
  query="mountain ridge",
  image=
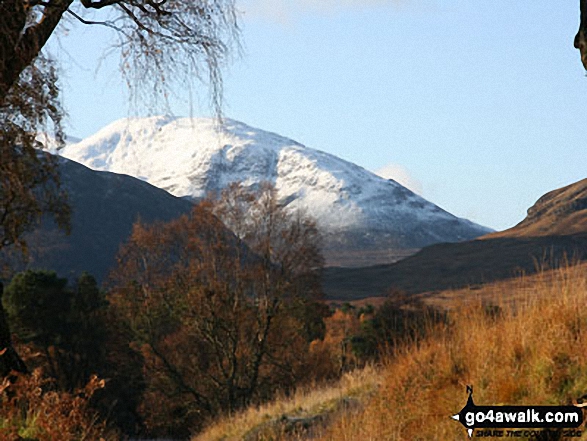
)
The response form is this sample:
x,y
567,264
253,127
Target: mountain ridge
x,y
104,208
365,218
553,234
558,212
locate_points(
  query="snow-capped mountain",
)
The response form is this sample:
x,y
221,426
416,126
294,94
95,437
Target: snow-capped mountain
x,y
360,213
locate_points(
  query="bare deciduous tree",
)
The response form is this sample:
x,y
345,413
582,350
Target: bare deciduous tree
x,y
218,318
159,41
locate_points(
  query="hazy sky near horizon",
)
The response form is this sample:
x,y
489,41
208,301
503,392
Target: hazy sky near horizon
x,y
481,107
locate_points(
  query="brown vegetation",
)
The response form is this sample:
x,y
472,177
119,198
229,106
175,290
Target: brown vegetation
x,y
312,407
220,320
528,351
32,410
203,326
156,40
559,212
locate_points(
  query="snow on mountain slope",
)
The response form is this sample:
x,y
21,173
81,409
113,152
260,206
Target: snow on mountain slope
x,y
190,157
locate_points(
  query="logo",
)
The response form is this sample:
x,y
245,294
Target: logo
x,y
517,418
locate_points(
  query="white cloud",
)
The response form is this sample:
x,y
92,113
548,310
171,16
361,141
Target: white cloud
x,y
283,11
401,175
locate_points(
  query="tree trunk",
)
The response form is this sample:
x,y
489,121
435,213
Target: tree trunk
x,y
581,37
9,359
21,42
12,22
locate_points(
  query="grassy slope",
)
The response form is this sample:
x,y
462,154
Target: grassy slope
x,y
559,212
533,353
308,409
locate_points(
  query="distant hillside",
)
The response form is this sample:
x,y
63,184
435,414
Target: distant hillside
x,y
105,206
364,218
555,230
447,266
559,212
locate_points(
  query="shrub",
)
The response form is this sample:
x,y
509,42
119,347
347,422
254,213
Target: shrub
x,y
32,410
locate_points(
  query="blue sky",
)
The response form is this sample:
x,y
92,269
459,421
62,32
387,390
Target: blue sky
x,y
480,106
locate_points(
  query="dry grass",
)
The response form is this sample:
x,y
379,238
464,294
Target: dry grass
x,y
529,350
308,403
533,352
30,411
507,293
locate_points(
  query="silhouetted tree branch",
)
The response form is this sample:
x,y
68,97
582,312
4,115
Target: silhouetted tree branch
x,y
581,37
160,42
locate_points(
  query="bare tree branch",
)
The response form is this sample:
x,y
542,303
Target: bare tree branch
x,y
99,4
90,22
581,37
18,53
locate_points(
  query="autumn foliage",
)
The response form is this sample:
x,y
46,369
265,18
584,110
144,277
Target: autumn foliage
x,y
33,409
222,319
204,316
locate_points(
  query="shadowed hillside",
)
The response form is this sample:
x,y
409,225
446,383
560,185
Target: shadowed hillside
x,y
104,207
365,219
451,266
554,231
